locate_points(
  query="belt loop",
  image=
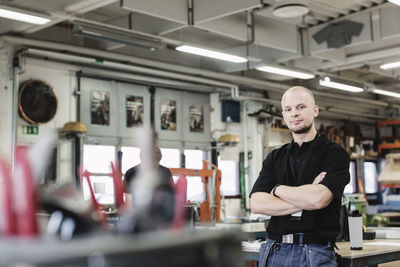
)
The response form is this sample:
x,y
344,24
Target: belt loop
x,y
301,236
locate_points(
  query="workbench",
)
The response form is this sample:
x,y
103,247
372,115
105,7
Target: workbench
x,y
373,252
159,248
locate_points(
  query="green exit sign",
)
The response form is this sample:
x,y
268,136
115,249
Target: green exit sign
x,y
30,129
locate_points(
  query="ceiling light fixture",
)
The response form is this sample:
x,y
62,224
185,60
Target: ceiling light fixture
x,y
286,72
290,11
341,86
389,66
384,92
396,2
22,15
210,53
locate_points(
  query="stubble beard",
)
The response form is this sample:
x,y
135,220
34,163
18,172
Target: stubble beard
x,y
303,130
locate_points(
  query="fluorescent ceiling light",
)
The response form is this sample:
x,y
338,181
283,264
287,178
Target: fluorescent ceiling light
x,y
210,53
341,86
392,65
396,2
286,72
21,15
384,92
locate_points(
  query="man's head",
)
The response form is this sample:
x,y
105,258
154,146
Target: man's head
x,y
154,155
299,109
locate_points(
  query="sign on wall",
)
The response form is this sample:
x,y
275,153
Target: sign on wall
x,y
134,110
168,115
100,108
196,118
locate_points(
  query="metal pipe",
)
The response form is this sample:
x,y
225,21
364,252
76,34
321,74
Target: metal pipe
x,y
173,69
73,59
15,77
246,160
234,90
78,95
322,108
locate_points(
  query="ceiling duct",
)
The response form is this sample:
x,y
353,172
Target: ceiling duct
x,y
101,31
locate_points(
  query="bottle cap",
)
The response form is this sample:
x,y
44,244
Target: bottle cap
x,y
355,213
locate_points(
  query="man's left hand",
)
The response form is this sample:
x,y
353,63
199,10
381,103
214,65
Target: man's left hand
x,y
319,178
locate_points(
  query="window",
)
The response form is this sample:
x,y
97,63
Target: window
x,y
97,160
352,185
170,158
195,188
230,177
103,188
194,159
370,177
130,158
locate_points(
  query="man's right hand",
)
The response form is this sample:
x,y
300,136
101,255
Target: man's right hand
x,y
319,178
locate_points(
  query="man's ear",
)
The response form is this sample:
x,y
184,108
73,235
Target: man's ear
x,y
316,111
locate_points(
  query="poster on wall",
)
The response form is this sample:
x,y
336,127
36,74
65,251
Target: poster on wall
x,y
134,110
168,115
100,108
196,118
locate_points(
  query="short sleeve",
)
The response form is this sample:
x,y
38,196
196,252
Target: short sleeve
x,y
336,166
266,179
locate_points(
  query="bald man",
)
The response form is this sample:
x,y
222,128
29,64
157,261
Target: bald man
x,y
300,186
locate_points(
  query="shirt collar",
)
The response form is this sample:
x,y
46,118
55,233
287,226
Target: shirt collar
x,y
293,144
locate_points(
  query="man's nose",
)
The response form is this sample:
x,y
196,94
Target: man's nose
x,y
294,113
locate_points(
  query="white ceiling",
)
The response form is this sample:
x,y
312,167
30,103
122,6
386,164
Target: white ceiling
x,y
242,27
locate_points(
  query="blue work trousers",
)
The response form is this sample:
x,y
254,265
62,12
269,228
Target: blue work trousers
x,y
276,254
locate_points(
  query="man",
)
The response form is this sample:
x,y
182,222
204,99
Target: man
x,y
162,204
300,186
163,172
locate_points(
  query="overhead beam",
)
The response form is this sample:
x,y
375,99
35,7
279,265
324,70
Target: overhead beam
x,y
206,10
173,10
85,6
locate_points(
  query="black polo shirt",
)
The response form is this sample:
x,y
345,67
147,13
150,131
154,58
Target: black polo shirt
x,y
293,165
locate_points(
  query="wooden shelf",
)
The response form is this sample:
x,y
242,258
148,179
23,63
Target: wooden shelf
x,y
281,130
387,123
363,157
388,146
391,138
391,185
